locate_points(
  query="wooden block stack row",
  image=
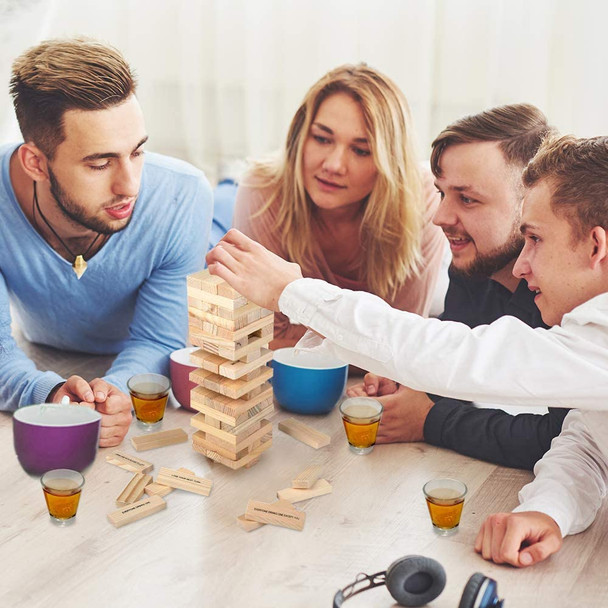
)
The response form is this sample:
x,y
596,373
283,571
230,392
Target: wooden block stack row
x,y
233,395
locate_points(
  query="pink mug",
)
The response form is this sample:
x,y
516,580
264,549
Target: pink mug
x,y
179,369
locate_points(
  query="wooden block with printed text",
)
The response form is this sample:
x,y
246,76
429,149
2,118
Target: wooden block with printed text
x,y
249,525
129,462
304,433
183,481
161,439
275,514
134,490
137,510
158,489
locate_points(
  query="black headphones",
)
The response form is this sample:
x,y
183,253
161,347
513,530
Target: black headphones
x,y
415,581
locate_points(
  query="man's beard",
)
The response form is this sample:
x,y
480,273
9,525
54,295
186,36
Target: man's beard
x,y
485,265
73,211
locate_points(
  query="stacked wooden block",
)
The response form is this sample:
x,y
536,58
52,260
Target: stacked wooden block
x,y
233,395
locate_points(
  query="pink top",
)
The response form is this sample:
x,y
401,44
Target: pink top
x,y
415,295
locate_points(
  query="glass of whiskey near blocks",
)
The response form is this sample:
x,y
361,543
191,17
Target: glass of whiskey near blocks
x,y
361,418
62,488
445,499
149,394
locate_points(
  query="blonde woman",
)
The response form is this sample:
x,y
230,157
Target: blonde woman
x,y
347,200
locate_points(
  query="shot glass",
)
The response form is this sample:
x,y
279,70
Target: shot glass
x,y
445,499
149,393
62,488
361,418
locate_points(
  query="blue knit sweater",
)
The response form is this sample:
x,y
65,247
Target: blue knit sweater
x,y
130,301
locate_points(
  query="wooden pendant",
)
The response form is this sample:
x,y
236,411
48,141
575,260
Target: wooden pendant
x,y
79,266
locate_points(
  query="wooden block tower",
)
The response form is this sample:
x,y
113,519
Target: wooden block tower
x,y
233,395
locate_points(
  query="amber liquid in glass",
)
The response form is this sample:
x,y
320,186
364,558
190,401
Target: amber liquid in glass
x,y
63,498
361,425
149,401
445,508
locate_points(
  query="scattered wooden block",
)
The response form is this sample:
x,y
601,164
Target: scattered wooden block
x,y
275,514
137,510
157,489
320,488
248,525
129,462
158,440
183,481
307,477
304,433
225,386
134,490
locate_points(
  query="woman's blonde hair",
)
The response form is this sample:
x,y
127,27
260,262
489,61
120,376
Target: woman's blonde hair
x,y
392,221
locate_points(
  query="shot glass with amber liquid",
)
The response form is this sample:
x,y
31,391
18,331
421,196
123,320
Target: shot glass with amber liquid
x,y
445,499
361,417
62,488
149,394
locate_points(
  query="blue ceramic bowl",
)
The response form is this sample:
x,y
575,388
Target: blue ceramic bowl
x,y
51,436
307,382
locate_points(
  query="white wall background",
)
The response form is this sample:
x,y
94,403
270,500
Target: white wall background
x,y
221,79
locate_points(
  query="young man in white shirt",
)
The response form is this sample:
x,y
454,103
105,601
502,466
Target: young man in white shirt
x,y
565,261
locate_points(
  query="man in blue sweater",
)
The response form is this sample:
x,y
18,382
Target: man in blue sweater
x,y
97,239
477,162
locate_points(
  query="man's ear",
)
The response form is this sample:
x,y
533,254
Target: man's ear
x,y
599,251
34,162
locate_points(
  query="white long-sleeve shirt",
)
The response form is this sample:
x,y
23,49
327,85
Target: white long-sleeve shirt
x,y
505,362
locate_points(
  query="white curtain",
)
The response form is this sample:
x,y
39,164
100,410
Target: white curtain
x,y
221,79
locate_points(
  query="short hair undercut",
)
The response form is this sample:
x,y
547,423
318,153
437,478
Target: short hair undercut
x,y
576,171
65,74
518,128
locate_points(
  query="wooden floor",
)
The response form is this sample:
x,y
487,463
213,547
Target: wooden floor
x,y
194,555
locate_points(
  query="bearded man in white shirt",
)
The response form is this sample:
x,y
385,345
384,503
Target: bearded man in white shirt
x,y
565,261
